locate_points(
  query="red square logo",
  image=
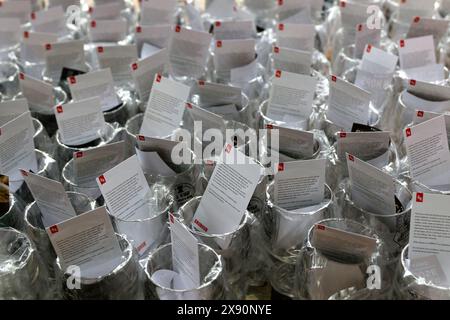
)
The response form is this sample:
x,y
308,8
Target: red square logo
x,y
93,24
54,229
59,109
360,27
218,24
158,78
369,48
281,167
26,34
33,16
343,4
278,73
408,132
72,80
48,47
90,10
100,49
281,27
416,19
219,44
141,138
420,114
79,154
320,227
402,43
138,29
412,82
351,158
342,134
201,83
21,76
276,49
333,78
280,2
134,66
177,29
228,149
102,179
269,126
188,105
419,197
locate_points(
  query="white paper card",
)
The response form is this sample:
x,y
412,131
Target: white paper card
x,y
185,257
95,84
428,153
38,93
109,10
421,27
378,61
17,149
347,104
80,122
165,107
51,20
371,189
227,195
366,36
229,30
87,241
145,70
68,54
300,183
33,45
156,12
291,97
107,30
118,58
9,32
50,197
291,60
156,36
296,36
229,54
19,9
9,110
417,52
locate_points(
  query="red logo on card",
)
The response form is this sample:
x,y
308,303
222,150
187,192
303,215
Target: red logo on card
x,y
419,197
218,24
26,34
24,173
59,109
100,49
420,114
138,29
93,24
219,44
54,229
408,132
369,48
102,179
79,154
402,43
171,217
280,2
281,27
281,167
48,46
21,76
134,66
72,80
342,134
351,158
158,78
278,74
188,105
228,149
141,138
333,78
412,82
403,1
343,4
269,126
201,83
177,29
90,10
416,19
320,227
33,16
360,27
276,49
198,223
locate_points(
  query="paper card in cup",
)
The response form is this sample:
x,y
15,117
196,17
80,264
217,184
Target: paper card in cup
x,y
422,26
80,122
109,10
296,36
291,60
366,36
118,58
377,61
9,31
50,197
9,110
232,30
428,73
417,52
107,30
39,94
230,54
155,12
154,36
18,9
17,149
87,241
